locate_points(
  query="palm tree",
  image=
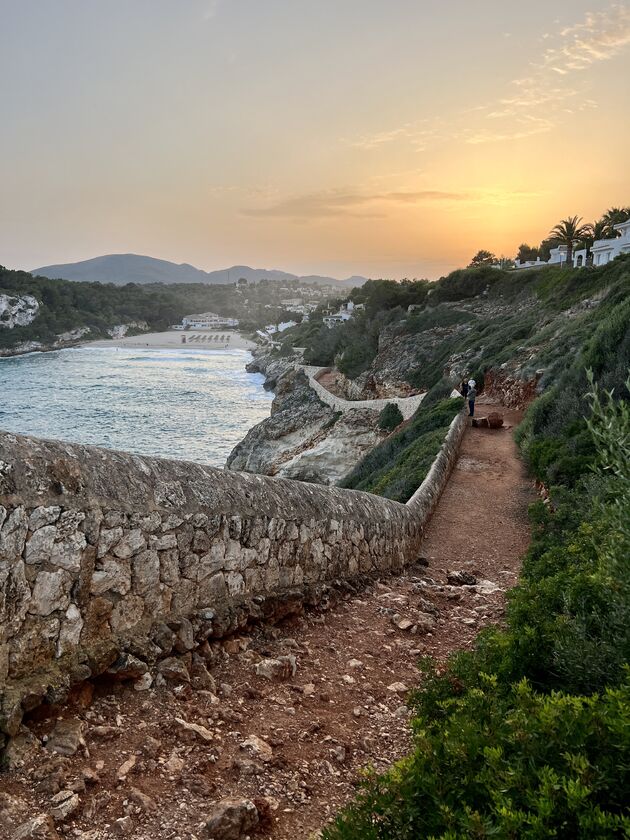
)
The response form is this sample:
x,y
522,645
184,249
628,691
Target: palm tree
x,y
614,216
597,230
568,232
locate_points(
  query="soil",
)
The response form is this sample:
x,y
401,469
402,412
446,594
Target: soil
x,y
340,711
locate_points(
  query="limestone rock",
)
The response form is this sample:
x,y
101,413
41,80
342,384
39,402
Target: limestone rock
x,y
173,669
196,728
126,767
108,538
258,747
402,622
133,542
128,667
398,688
40,827
51,592
111,575
201,677
231,819
461,578
67,553
43,516
142,799
277,669
13,534
40,545
66,737
64,804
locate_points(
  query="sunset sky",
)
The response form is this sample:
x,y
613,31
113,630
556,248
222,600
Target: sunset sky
x,y
387,138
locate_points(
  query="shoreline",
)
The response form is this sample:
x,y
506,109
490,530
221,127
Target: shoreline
x,y
172,340
168,340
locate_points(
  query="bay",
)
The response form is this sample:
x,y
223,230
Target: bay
x,y
186,404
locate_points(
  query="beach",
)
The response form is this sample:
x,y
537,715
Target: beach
x,y
173,339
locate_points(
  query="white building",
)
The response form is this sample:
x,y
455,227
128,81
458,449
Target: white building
x,y
557,256
605,250
345,313
208,321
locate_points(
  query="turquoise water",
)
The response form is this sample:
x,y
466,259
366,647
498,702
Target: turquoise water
x,y
185,403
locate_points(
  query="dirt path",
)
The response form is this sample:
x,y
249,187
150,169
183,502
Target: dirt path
x,y
138,772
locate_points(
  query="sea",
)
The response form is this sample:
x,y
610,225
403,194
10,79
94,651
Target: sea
x,y
189,404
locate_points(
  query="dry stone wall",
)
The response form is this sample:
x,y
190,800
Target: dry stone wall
x,y
104,554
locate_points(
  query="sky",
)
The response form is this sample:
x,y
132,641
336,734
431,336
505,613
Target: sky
x,y
388,138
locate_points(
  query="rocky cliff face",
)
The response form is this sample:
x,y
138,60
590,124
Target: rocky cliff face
x,y
17,310
303,438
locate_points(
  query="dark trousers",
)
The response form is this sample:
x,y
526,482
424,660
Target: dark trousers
x,y
471,406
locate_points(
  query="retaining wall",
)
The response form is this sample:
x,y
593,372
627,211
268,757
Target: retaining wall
x,y
105,552
407,405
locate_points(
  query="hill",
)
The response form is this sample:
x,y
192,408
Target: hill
x,y
38,313
133,268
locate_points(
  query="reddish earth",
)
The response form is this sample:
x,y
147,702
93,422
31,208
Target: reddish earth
x,y
337,714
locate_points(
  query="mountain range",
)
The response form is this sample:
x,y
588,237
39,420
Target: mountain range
x,y
133,268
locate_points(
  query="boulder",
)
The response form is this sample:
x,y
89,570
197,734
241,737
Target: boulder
x,y
495,420
231,819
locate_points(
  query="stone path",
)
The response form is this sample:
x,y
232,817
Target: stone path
x,y
151,764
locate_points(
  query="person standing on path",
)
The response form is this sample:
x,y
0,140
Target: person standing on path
x,y
472,396
463,388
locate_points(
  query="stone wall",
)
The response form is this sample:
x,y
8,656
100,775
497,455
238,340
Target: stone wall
x,y
103,553
407,405
426,497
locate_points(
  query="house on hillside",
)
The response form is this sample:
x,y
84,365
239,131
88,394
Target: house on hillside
x,y
605,250
557,256
346,312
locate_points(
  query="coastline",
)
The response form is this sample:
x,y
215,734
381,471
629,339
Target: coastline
x,y
167,340
172,340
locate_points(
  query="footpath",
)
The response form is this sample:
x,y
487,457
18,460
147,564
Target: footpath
x,y
288,715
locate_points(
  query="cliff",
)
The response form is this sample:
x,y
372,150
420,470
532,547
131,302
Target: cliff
x,y
303,438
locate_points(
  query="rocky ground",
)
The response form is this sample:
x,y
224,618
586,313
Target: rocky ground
x,y
265,734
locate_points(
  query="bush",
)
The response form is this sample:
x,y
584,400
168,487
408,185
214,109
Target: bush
x,y
517,766
390,417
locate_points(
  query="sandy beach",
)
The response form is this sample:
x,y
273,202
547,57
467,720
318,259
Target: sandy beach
x,y
173,339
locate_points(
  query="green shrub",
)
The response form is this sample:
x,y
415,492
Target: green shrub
x,y
390,417
518,766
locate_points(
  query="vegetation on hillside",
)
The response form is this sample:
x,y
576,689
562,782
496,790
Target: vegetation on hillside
x,y
396,467
66,305
538,315
528,735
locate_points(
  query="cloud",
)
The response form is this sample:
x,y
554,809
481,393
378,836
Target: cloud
x,y
335,203
543,99
420,133
599,37
535,103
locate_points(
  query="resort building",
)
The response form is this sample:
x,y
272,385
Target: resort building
x,y
605,250
208,321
